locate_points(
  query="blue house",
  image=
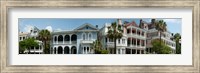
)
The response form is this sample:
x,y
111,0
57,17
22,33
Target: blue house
x,y
77,41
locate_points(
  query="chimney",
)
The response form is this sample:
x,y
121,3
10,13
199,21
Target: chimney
x,y
96,26
153,21
119,21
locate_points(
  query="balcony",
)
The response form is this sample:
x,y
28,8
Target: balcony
x,y
136,35
87,41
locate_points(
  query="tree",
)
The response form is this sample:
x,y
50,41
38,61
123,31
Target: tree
x,y
160,47
27,44
45,37
22,47
97,46
115,32
161,26
177,37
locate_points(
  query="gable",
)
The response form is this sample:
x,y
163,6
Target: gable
x,y
86,27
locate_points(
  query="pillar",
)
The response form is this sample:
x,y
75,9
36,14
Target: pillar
x,y
136,31
63,38
56,50
131,50
131,31
136,51
83,50
53,50
63,50
131,41
34,50
140,51
57,39
136,42
70,40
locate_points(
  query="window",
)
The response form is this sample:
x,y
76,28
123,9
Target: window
x,y
23,37
87,49
123,41
20,38
84,36
35,31
118,41
37,47
118,51
90,36
128,31
110,40
106,40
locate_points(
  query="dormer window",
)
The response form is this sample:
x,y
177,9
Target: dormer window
x,y
35,31
86,27
31,30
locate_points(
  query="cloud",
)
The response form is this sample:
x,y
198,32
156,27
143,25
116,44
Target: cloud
x,y
27,28
175,21
49,28
58,29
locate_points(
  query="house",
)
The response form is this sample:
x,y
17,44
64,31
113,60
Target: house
x,y
77,41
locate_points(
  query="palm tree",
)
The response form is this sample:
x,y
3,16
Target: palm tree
x,y
161,26
97,46
115,32
45,36
177,37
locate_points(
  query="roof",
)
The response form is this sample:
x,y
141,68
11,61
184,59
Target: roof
x,y
131,23
86,25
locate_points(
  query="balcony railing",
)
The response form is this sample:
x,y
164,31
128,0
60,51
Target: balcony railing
x,y
86,41
136,35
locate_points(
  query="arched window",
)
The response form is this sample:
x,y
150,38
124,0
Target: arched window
x,y
74,37
84,36
60,50
67,37
55,38
60,38
66,50
90,36
73,50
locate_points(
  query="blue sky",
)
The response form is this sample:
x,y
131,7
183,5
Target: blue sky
x,y
57,24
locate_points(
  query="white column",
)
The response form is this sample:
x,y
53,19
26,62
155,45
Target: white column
x,y
63,38
116,51
87,50
82,49
136,51
131,50
70,40
34,50
131,30
63,50
140,43
136,42
131,41
140,51
70,50
136,31
56,50
53,50
57,39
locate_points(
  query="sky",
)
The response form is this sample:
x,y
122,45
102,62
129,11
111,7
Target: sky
x,y
59,24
